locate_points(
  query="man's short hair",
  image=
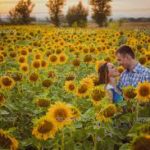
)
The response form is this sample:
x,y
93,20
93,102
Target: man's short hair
x,y
123,50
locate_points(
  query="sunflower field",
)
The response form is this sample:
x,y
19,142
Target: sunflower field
x,y
50,97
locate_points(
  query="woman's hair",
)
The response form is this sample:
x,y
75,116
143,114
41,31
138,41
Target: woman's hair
x,y
103,74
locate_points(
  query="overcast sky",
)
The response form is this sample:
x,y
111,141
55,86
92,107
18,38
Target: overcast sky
x,y
120,8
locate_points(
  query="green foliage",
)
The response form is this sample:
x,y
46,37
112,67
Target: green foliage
x,y
21,13
55,10
77,15
101,9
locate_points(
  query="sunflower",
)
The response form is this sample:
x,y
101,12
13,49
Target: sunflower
x,y
145,129
17,76
51,74
24,68
70,77
109,111
143,92
36,64
53,59
12,54
44,128
34,77
82,90
38,55
7,82
62,58
75,112
88,81
101,117
1,58
147,54
58,51
141,142
129,92
42,102
120,69
47,83
7,141
97,94
70,86
22,59
94,79
143,60
99,63
88,58
44,63
85,50
60,113
24,52
76,62
2,99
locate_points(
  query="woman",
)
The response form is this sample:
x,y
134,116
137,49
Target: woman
x,y
107,75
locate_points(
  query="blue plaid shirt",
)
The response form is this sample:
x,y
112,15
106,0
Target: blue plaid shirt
x,y
138,74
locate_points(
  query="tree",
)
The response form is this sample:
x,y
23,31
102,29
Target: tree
x,y
77,14
55,10
101,10
21,13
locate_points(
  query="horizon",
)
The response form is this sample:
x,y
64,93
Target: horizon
x,y
120,8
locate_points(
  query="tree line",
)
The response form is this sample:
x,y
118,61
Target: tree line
x,y
76,15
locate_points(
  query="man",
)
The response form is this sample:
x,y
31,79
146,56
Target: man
x,y
134,71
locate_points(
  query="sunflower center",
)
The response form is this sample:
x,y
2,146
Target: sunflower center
x,y
6,81
36,64
87,58
24,52
43,63
5,142
17,76
25,68
97,95
51,74
82,89
109,112
1,58
46,127
60,115
62,58
21,59
70,78
141,143
53,58
43,103
34,77
144,91
130,94
71,87
76,62
47,83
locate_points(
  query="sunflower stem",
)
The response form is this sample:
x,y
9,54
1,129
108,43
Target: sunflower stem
x,y
94,141
62,140
137,111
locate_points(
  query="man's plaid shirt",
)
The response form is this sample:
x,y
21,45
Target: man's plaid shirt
x,y
138,74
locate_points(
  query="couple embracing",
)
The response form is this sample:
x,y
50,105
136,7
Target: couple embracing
x,y
134,73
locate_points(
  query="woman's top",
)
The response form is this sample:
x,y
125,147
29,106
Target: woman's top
x,y
116,96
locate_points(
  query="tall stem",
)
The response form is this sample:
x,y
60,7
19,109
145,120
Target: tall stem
x,y
137,111
94,141
62,140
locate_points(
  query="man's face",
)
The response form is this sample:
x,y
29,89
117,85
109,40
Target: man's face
x,y
123,60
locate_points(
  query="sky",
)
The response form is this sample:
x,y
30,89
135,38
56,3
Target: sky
x,y
120,8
